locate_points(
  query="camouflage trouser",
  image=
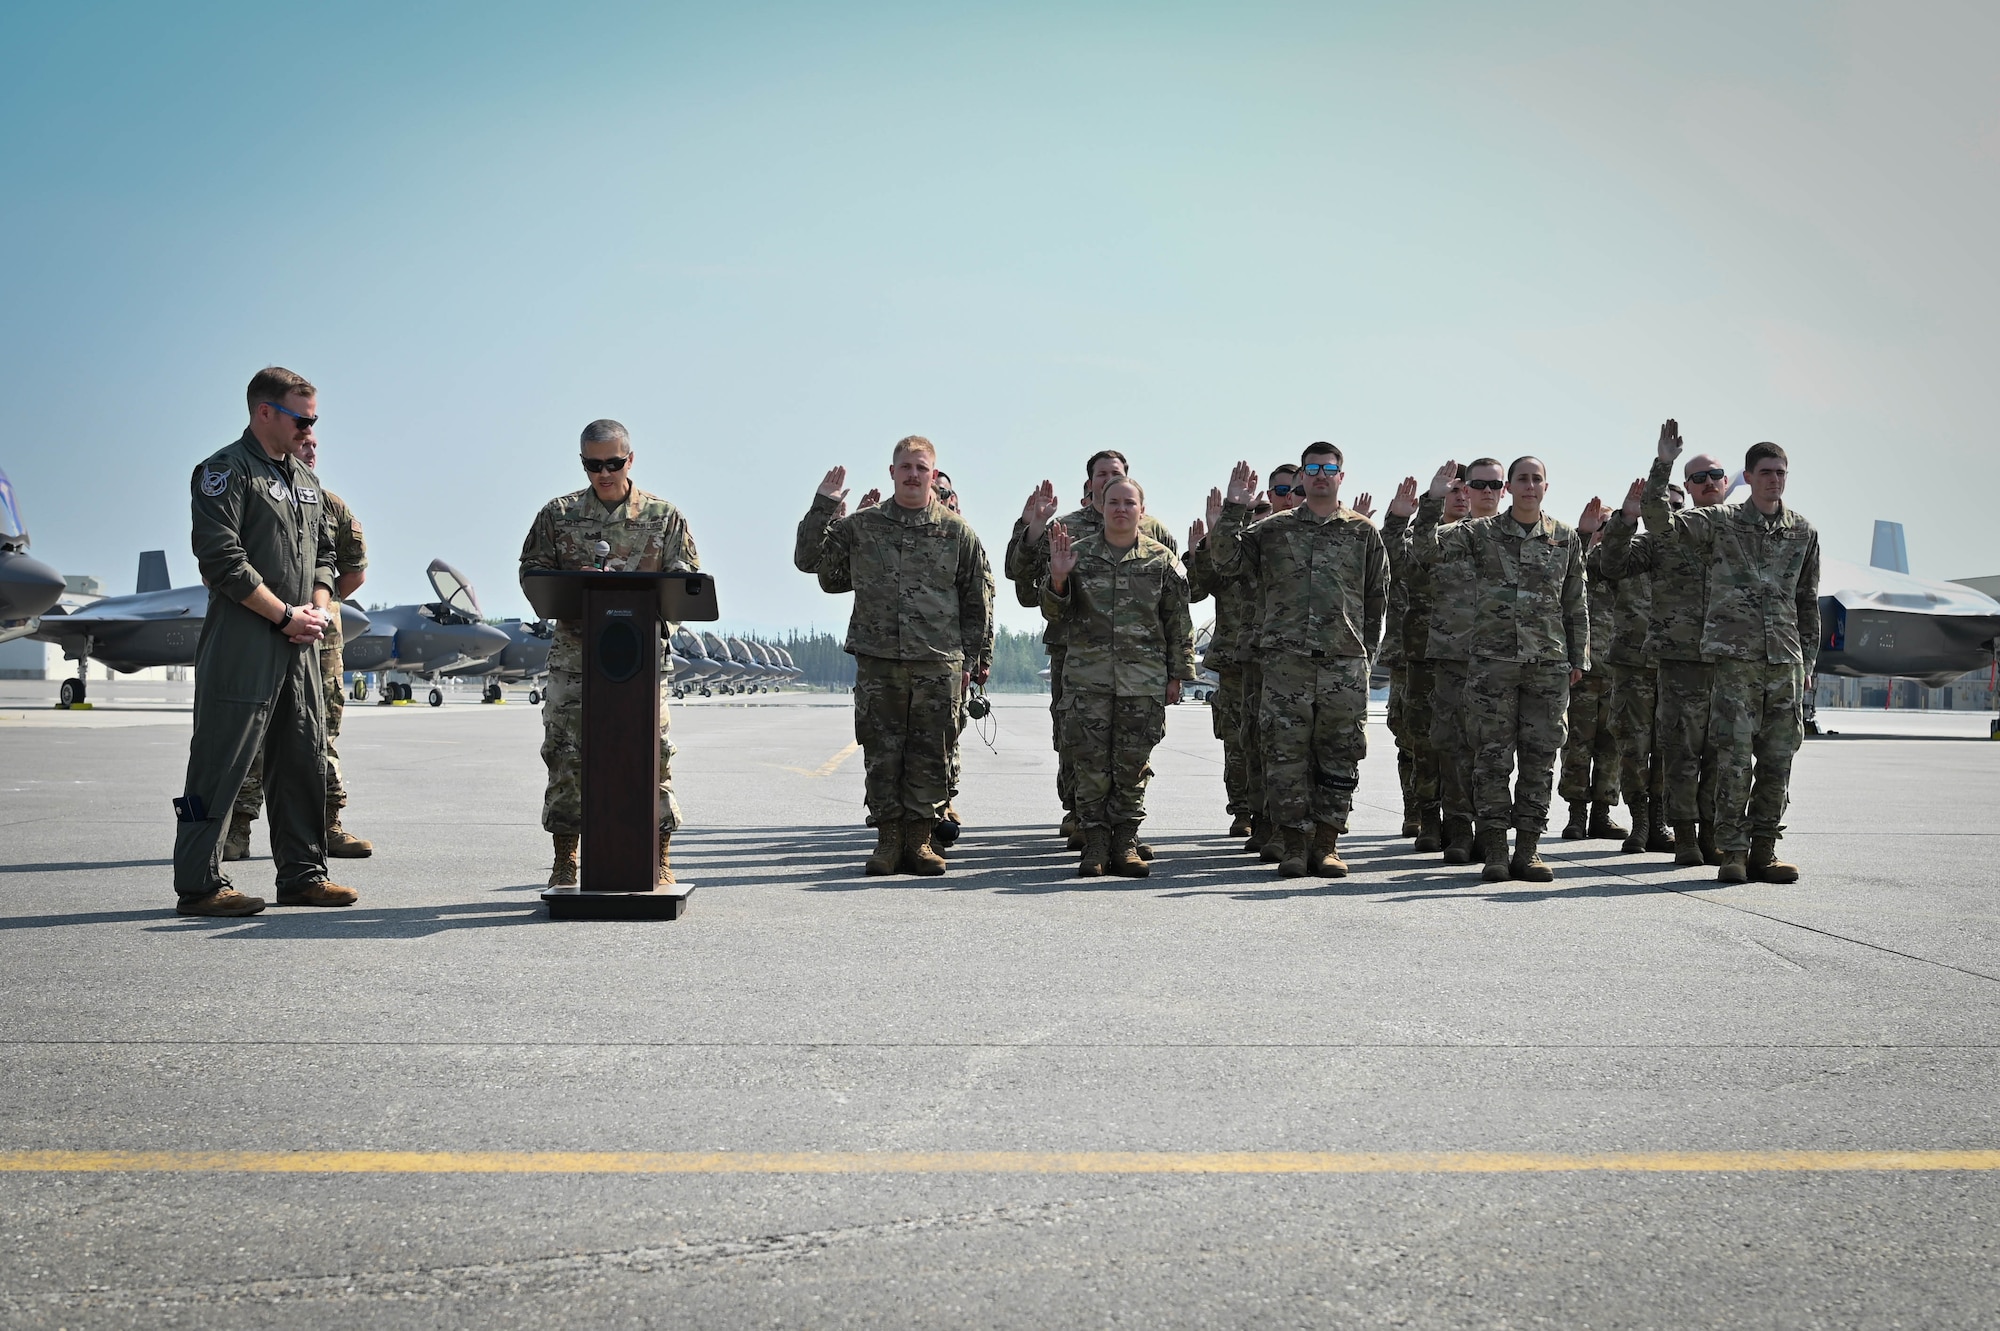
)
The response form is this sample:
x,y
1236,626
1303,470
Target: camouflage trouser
x,y
1757,721
1635,701
905,714
1250,739
1226,713
1451,738
1419,725
1517,712
953,767
1112,738
1065,765
1683,739
250,799
562,752
1315,721
1590,757
1399,727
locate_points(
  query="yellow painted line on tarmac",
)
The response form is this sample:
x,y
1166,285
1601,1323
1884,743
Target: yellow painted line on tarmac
x,y
831,765
989,1162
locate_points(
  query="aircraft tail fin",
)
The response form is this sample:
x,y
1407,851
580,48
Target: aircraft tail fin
x,y
153,571
1889,551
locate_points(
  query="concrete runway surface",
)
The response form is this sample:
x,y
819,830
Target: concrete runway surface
x,y
1008,1097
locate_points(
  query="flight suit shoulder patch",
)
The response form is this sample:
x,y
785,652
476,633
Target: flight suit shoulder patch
x,y
213,482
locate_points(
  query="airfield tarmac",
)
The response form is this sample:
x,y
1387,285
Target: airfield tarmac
x,y
1008,1097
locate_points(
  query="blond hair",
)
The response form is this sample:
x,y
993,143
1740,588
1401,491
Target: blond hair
x,y
914,443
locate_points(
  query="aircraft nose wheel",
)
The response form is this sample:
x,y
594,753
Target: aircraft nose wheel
x,y
72,692
493,693
534,697
437,698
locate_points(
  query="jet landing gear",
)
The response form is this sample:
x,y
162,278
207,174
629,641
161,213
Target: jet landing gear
x,y
437,697
395,692
493,693
73,692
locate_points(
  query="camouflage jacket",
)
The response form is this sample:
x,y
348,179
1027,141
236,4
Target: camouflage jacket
x,y
1631,594
1763,579
646,535
1127,615
1325,581
1601,598
1417,587
1677,573
1443,610
922,588
1528,596
350,553
1396,619
1025,565
1235,609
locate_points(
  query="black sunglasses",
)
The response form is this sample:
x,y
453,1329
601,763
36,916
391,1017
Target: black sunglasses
x,y
1712,474
1487,485
1284,489
305,422
595,465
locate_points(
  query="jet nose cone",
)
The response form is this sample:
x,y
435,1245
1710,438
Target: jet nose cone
x,y
27,586
483,640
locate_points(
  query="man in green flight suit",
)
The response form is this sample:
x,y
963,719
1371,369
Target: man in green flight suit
x,y
921,633
1131,648
641,533
266,555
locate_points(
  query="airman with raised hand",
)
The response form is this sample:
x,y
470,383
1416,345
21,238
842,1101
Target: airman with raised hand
x,y
1418,593
1589,781
1284,492
1234,603
1131,649
1530,642
920,633
1635,682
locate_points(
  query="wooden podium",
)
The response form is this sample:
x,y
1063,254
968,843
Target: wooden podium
x,y
618,616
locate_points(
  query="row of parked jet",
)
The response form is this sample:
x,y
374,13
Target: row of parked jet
x,y
437,643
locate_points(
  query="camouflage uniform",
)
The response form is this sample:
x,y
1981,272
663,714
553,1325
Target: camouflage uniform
x,y
1025,566
1438,628
1395,659
646,535
923,613
350,555
1324,584
1635,683
1416,590
1532,628
1762,630
1129,632
1235,601
1590,754
1678,576
954,764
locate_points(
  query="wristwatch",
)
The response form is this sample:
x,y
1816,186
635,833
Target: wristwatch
x,y
280,625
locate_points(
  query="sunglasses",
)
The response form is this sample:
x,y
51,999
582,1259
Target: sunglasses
x,y
1712,474
305,422
1283,489
1487,485
1321,469
595,465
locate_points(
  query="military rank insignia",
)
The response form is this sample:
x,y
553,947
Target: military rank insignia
x,y
213,483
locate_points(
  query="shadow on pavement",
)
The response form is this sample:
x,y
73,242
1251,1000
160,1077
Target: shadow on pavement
x,y
71,866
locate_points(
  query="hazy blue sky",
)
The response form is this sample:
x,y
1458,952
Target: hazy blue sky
x,y
774,238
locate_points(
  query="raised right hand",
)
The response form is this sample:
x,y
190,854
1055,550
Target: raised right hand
x,y
1062,557
1041,506
1634,496
834,487
1670,441
1405,502
1242,484
1212,514
1196,531
1441,483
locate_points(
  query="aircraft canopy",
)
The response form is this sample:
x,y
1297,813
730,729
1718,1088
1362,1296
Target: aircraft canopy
x,y
10,512
1860,587
454,589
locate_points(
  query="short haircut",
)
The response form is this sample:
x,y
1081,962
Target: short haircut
x,y
1464,467
1090,467
1515,466
274,383
1322,446
1284,468
915,443
606,432
1494,463
1131,481
940,477
1758,452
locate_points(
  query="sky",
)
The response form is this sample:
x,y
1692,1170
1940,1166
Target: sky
x,y
771,239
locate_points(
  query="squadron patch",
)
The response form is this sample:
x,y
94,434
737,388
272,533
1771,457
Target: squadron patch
x,y
307,495
213,483
278,490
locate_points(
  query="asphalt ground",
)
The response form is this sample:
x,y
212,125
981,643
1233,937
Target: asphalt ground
x,y
1008,1097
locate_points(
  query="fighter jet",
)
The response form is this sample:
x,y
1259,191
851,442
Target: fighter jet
x,y
158,625
525,658
27,586
1877,621
426,641
1206,681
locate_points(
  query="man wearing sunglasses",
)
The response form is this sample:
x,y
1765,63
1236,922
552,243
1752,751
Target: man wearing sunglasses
x,y
1225,655
1589,764
1677,580
921,633
642,533
267,556
1285,492
1323,579
1530,642
1422,654
1761,629
1635,680
1026,563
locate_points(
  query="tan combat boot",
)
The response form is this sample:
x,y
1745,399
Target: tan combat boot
x,y
1096,852
1071,831
1735,868
919,856
1125,860
1578,826
1493,850
1293,863
236,845
1601,826
1459,842
1260,832
224,901
1705,839
1273,849
342,844
666,878
888,848
562,871
1413,822
318,894
1242,825
1642,822
1430,832
1687,848
1659,837
1764,864
1528,865
1324,858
